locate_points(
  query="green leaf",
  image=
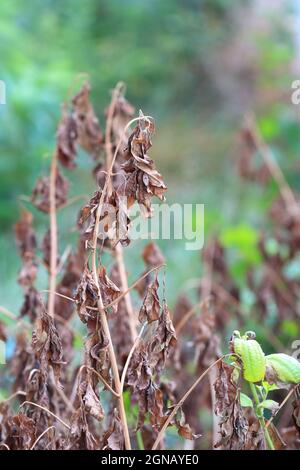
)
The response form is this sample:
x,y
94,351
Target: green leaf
x,y
245,401
269,405
269,387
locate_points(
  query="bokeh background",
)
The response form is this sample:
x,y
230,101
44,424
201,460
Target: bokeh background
x,y
197,66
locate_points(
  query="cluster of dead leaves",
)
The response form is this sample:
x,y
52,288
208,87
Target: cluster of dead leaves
x,y
148,363
79,126
237,431
142,180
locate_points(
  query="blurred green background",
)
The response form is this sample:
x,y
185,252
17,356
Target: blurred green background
x,y
195,66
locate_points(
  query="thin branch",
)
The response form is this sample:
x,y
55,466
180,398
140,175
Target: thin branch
x,y
85,366
13,316
40,436
182,400
119,249
53,236
104,322
63,258
282,404
61,295
120,297
47,411
5,445
136,342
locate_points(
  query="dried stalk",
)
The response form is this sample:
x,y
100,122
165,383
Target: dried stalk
x,y
182,400
136,342
40,437
53,237
119,248
100,305
47,411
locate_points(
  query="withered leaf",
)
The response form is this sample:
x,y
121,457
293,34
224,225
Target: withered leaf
x,y
24,233
183,428
152,255
41,192
92,403
142,180
21,432
80,437
87,216
66,140
233,424
46,249
113,439
164,338
32,305
86,295
87,125
28,272
150,308
109,290
47,345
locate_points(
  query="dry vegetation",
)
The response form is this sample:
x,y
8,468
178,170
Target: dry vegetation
x,y
56,403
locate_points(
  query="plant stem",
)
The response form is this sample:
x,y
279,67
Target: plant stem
x,y
261,418
182,400
104,323
119,249
53,237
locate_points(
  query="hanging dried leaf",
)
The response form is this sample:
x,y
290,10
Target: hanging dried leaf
x,y
183,428
87,216
32,305
46,249
66,140
86,296
24,233
80,437
142,180
109,290
164,338
87,125
113,439
233,424
92,403
21,432
69,283
47,345
152,255
207,342
150,308
28,271
41,192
